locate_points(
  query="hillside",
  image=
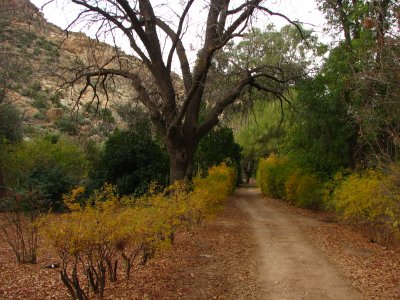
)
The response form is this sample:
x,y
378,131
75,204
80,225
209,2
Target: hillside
x,y
39,59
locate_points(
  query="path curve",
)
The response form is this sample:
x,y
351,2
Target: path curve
x,y
290,266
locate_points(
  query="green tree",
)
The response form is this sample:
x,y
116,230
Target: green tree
x,y
260,134
319,136
363,72
216,147
261,131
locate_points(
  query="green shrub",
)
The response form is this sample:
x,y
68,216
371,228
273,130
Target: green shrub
x,y
10,123
40,116
216,147
132,160
39,96
37,52
22,39
39,101
309,192
41,164
67,125
330,186
106,115
55,98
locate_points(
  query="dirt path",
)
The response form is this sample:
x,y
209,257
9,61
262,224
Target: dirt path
x,y
290,266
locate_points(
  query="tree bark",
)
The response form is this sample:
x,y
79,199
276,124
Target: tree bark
x,y
344,19
180,163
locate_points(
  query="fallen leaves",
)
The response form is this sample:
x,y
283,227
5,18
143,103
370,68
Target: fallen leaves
x,y
217,262
213,262
370,268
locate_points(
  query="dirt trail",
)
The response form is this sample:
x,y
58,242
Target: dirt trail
x,y
290,266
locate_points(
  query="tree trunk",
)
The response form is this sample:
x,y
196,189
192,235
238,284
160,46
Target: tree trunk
x,y
180,160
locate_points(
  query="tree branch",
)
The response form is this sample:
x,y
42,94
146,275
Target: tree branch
x,y
178,33
219,107
185,68
125,30
296,24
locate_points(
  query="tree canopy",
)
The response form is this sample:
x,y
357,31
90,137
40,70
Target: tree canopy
x,y
174,106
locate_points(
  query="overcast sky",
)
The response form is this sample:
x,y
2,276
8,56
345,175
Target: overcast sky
x,y
61,13
302,10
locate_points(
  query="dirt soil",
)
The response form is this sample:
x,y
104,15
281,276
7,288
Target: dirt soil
x,y
257,248
290,266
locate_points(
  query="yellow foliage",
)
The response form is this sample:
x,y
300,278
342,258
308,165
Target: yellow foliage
x,y
95,234
278,177
149,221
71,200
357,198
291,186
272,174
264,179
210,193
371,199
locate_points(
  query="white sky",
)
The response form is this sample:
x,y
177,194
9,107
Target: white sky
x,y
61,13
303,10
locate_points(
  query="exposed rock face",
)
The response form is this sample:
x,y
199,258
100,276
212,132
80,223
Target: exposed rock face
x,y
50,58
54,114
20,9
17,5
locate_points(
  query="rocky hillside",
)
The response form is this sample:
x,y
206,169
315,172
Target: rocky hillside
x,y
38,59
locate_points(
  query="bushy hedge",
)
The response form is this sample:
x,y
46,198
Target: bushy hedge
x,y
104,229
272,174
371,201
279,177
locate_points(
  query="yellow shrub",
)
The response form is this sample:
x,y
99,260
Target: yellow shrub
x,y
330,187
272,174
105,226
371,200
357,198
71,200
291,186
263,174
210,193
303,190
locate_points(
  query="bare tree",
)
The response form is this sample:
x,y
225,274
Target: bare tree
x,y
174,113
